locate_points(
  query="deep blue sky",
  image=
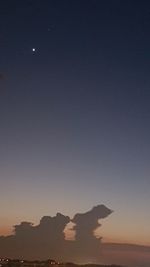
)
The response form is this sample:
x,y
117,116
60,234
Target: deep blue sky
x,y
75,115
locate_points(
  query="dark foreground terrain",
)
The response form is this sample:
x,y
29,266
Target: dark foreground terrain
x,y
46,263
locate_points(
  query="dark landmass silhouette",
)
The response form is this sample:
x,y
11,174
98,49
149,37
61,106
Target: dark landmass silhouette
x,y
131,255
46,263
47,240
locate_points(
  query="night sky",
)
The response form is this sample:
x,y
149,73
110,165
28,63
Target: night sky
x,y
75,112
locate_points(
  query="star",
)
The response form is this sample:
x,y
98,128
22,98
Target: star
x,y
33,49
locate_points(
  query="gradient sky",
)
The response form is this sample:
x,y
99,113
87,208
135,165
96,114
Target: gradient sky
x,y
75,114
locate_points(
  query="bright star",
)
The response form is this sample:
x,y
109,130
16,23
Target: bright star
x,y
33,49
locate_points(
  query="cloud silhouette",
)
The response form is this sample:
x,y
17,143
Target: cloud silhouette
x,y
87,222
87,246
46,240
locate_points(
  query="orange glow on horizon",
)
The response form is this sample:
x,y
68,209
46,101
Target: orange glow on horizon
x,y
106,237
5,231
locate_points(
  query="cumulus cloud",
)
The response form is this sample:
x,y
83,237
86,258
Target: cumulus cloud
x,y
47,239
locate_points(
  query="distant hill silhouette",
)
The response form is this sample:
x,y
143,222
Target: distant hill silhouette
x,y
125,254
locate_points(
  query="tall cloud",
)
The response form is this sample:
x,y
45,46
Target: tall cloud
x,y
47,239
